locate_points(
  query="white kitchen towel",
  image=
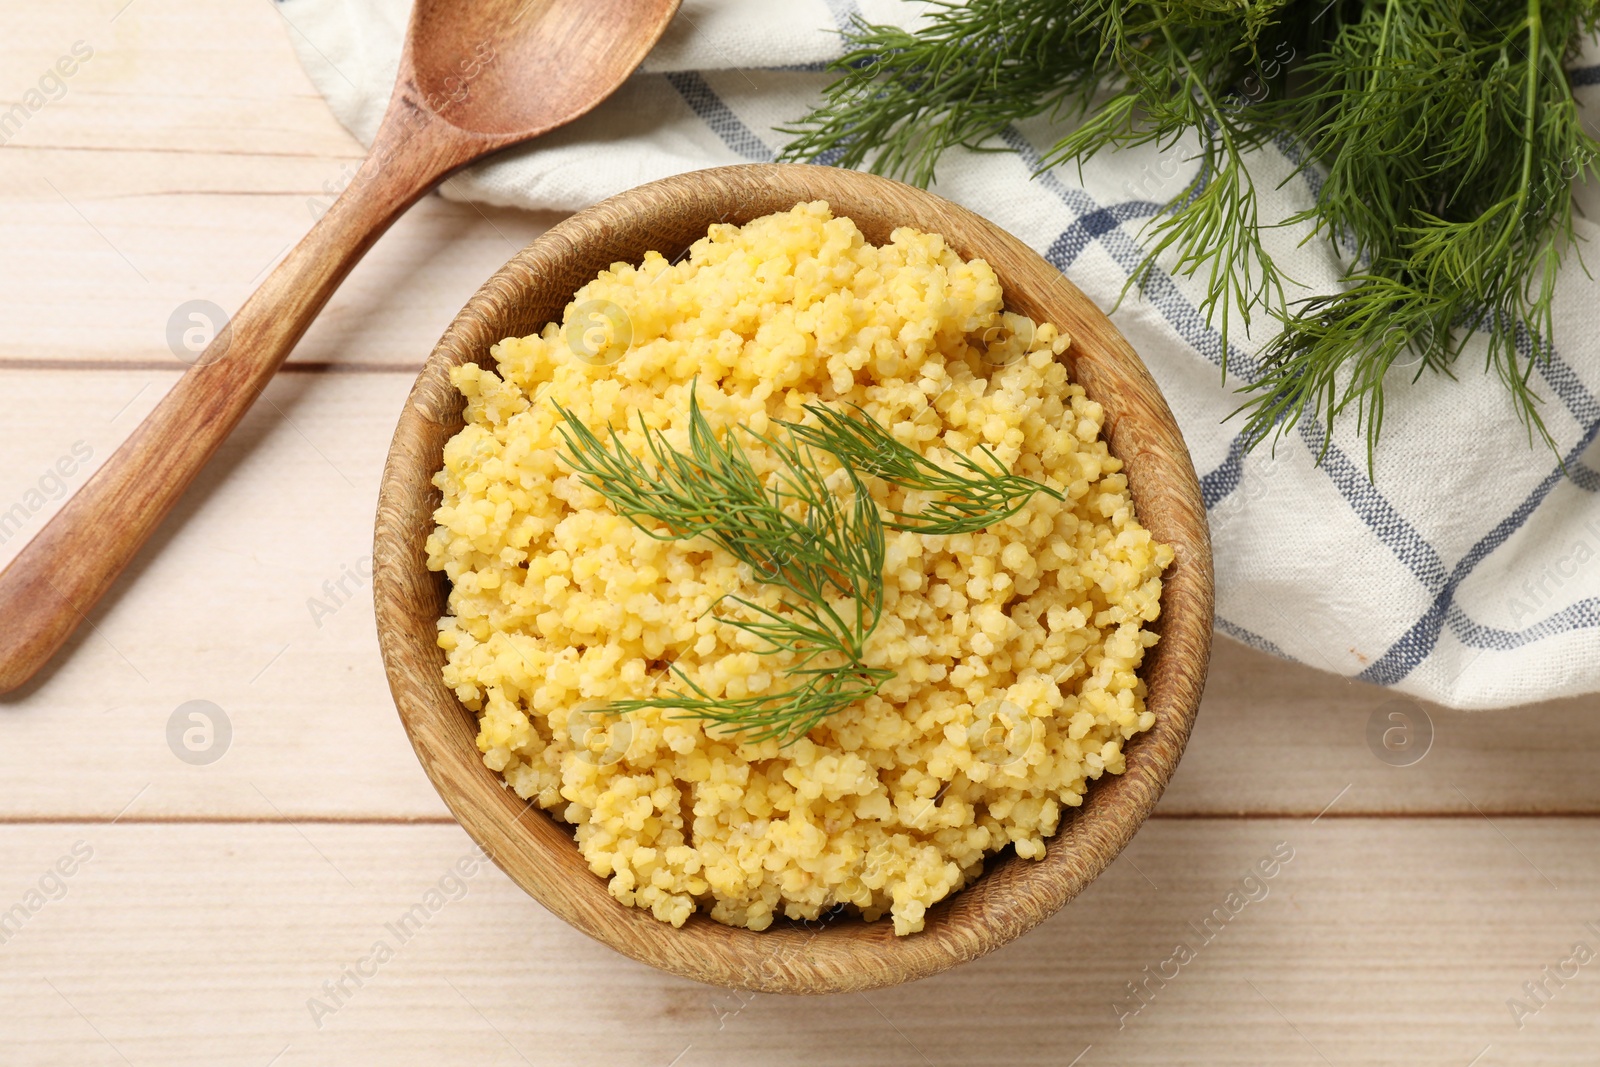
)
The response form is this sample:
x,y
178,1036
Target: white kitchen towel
x,y
1466,571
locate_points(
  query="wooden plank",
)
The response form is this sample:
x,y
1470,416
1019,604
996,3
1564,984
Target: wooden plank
x,y
167,75
226,608
98,269
153,102
162,175
223,610
209,944
227,605
1280,737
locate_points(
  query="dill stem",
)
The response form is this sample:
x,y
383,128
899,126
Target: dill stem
x,y
1205,93
1227,141
1530,108
1383,46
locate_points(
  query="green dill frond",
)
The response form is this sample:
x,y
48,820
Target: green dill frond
x,y
786,715
824,550
904,99
1446,134
1451,139
974,496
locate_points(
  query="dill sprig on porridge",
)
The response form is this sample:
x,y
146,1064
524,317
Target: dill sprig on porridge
x,y
826,554
823,549
975,496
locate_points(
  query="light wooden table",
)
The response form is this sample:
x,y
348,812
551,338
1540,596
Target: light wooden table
x,y
211,908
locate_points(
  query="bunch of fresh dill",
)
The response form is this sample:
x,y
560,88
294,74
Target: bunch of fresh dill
x,y
823,550
1446,131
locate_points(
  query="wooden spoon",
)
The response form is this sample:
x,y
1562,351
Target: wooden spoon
x,y
474,78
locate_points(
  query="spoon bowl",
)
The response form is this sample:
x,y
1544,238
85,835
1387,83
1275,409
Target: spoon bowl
x,y
489,65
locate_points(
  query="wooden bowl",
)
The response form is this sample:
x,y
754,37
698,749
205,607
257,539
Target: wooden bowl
x,y
843,953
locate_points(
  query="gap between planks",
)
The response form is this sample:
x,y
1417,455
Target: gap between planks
x,y
291,367
445,820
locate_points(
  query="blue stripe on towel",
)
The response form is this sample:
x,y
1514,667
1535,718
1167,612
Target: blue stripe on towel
x,y
1254,640
719,116
845,13
1414,647
1215,486
1380,516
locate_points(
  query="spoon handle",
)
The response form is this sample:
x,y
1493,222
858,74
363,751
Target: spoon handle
x,y
52,585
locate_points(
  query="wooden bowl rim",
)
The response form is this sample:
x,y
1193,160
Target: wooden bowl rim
x,y
830,954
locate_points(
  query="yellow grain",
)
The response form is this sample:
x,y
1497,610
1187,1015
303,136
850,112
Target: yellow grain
x,y
1015,650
